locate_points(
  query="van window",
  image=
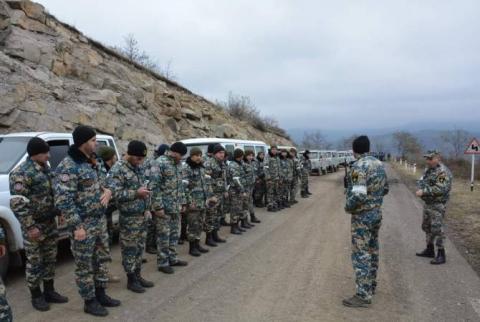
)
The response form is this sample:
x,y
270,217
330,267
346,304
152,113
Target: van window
x,y
230,148
248,148
12,149
259,148
314,155
101,143
58,151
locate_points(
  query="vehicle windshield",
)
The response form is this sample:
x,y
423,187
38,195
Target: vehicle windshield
x,y
12,149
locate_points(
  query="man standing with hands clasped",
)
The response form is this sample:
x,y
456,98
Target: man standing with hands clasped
x,y
366,187
82,197
129,185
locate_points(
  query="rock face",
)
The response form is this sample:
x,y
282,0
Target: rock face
x,y
52,78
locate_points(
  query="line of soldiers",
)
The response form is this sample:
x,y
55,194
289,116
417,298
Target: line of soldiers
x,y
151,198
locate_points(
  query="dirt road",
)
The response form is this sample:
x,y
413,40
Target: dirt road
x,y
294,266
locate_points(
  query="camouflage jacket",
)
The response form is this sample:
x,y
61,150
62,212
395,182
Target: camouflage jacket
x,y
272,168
436,184
236,177
366,185
78,186
259,169
218,172
32,194
286,169
166,180
2,236
124,180
250,175
306,164
297,167
198,186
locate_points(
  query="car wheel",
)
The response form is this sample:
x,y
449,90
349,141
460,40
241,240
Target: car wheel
x,y
5,261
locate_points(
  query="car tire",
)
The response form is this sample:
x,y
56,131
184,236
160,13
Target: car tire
x,y
5,260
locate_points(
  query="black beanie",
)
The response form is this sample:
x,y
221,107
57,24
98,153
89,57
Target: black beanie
x,y
211,147
162,148
218,148
137,148
361,145
179,147
238,153
82,134
36,146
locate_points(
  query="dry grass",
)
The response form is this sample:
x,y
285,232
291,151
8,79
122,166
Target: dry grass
x,y
462,218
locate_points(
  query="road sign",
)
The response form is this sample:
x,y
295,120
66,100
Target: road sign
x,y
473,147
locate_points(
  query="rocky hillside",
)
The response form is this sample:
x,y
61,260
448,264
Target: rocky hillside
x,y
52,78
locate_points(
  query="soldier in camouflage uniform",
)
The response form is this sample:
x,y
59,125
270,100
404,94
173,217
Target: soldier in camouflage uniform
x,y
32,202
199,196
128,183
215,167
5,310
168,203
82,197
237,192
366,187
297,168
260,185
286,175
272,178
151,242
434,190
305,172
250,169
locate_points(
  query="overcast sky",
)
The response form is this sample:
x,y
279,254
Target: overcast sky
x,y
313,64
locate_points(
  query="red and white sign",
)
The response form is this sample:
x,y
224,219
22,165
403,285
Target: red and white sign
x,y
473,147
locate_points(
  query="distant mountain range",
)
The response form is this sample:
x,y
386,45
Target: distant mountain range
x,y
428,134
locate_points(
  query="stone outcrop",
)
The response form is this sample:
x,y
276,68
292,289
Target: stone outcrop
x,y
52,78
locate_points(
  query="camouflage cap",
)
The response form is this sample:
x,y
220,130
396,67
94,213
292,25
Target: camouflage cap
x,y
431,153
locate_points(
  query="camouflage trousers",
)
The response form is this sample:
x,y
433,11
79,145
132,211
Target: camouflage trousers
x,y
304,181
294,189
248,206
195,220
152,232
365,251
259,192
285,190
215,214
91,256
272,193
168,231
41,255
5,310
432,225
132,241
237,210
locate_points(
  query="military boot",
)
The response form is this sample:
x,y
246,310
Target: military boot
x,y
308,192
104,299
356,301
151,249
234,229
200,248
193,249
428,252
216,237
50,295
93,307
254,219
271,209
239,227
183,233
143,282
209,240
304,195
440,259
224,223
244,224
133,284
38,300
179,262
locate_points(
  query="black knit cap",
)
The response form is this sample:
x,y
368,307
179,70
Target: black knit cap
x,y
211,147
179,147
161,149
218,148
37,146
361,145
82,134
137,148
238,153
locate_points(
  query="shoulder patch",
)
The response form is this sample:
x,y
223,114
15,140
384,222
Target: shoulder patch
x,y
18,186
64,177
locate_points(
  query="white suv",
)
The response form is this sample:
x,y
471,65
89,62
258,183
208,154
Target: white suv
x,y
13,151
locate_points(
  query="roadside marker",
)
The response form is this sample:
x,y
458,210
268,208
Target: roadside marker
x,y
473,148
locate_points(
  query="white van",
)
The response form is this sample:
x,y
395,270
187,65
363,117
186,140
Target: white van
x,y
229,144
319,164
13,151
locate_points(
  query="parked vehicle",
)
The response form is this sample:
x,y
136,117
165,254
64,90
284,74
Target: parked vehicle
x,y
320,165
13,151
229,144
